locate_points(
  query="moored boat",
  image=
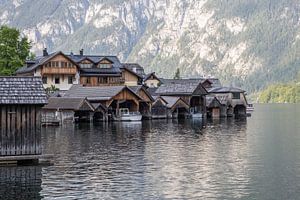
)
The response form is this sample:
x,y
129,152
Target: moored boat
x,y
125,115
249,110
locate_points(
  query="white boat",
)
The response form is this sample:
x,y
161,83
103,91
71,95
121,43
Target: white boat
x,y
249,110
125,115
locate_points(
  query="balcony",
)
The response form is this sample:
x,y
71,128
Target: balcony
x,y
59,70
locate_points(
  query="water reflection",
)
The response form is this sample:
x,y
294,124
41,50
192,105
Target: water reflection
x,y
150,159
20,182
175,159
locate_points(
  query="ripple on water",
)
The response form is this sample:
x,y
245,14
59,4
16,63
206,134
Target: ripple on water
x,y
229,159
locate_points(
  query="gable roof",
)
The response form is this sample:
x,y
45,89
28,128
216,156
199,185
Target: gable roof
x,y
136,89
55,103
22,90
132,72
223,99
215,82
212,101
75,59
151,74
102,93
225,90
40,61
171,101
180,87
96,59
135,67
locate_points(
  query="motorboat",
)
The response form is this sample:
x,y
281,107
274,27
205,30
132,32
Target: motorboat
x,y
126,115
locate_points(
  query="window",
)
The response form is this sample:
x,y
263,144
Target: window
x,y
44,80
70,79
56,64
63,64
86,65
104,65
56,80
236,95
88,80
102,80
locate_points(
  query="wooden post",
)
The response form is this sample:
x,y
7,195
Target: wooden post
x,y
23,129
118,107
3,130
18,131
38,131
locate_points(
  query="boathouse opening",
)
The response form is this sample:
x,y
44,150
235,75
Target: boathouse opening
x,y
180,113
239,111
82,116
98,117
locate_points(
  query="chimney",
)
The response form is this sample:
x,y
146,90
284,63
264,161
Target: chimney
x,y
45,52
81,52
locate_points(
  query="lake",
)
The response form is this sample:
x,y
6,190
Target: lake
x,y
253,158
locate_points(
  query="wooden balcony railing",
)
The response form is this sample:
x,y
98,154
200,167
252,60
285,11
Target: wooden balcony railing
x,y
59,70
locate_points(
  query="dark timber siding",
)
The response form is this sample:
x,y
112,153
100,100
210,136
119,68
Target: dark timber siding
x,y
20,130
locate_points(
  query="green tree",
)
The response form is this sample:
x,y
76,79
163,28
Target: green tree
x,y
14,49
177,74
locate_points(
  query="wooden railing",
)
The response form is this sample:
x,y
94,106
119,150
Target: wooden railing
x,y
59,70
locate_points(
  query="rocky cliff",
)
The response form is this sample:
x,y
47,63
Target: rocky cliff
x,y
245,43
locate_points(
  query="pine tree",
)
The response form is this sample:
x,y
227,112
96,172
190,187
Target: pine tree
x,y
177,74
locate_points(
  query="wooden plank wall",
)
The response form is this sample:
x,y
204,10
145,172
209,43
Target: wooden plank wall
x,y
20,130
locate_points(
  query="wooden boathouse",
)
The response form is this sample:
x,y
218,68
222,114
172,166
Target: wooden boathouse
x,y
60,110
21,100
113,98
169,107
190,90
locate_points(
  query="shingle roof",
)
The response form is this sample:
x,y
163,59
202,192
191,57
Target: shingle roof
x,y
215,82
212,101
152,91
225,90
95,93
223,99
132,72
38,61
149,75
96,59
179,87
22,90
136,89
76,59
170,100
67,104
135,67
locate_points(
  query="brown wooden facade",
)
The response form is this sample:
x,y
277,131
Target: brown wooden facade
x,y
101,80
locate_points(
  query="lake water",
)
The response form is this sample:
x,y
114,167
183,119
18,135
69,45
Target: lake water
x,y
256,158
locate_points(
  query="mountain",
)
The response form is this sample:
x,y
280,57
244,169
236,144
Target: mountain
x,y
246,43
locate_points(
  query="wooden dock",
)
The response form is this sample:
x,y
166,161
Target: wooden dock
x,y
45,159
